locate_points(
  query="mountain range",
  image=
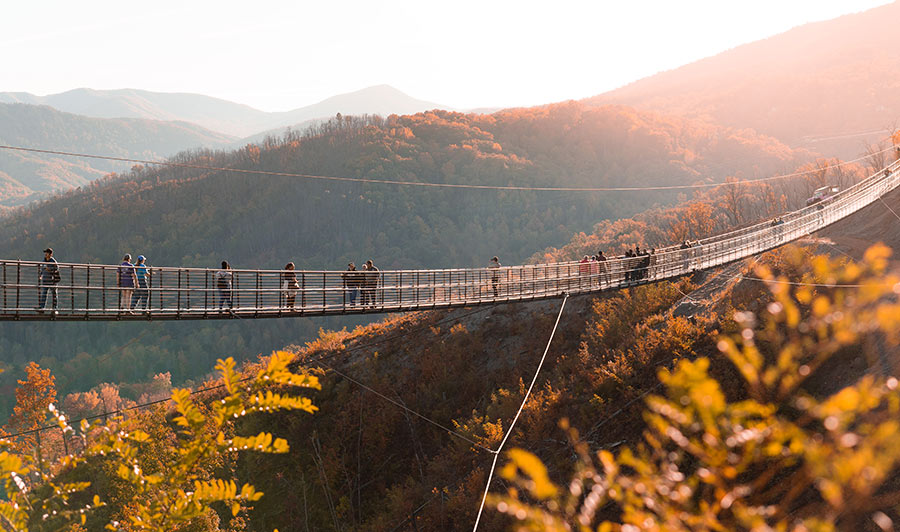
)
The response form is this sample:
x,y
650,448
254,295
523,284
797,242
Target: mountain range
x,y
215,114
146,125
25,176
827,87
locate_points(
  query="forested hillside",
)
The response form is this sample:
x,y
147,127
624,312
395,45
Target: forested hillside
x,y
198,218
194,217
830,85
27,176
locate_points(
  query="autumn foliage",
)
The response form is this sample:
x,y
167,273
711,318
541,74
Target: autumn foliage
x,y
162,472
781,454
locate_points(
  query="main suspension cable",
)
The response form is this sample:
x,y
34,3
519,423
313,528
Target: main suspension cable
x,y
432,185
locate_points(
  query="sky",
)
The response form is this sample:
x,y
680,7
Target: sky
x,y
277,56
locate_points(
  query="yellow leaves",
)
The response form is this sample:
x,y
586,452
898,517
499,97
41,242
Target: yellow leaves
x,y
229,376
263,442
876,257
705,463
203,440
190,417
277,372
690,384
273,402
851,401
821,306
792,314
138,436
747,360
888,317
539,483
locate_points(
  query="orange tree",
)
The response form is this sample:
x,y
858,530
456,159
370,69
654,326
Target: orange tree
x,y
33,396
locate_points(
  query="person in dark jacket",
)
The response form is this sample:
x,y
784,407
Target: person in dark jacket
x,y
289,284
643,265
351,283
224,278
126,281
494,266
371,277
604,275
48,278
628,265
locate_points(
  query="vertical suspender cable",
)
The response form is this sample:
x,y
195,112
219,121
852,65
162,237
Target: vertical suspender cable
x,y
524,400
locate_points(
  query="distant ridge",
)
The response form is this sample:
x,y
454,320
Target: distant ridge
x,y
26,176
823,85
216,114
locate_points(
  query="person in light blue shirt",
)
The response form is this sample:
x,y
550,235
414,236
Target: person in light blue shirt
x,y
142,275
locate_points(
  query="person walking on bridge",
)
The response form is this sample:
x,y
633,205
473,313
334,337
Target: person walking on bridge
x,y
371,277
48,278
603,271
126,281
494,266
224,279
142,274
628,265
584,271
289,284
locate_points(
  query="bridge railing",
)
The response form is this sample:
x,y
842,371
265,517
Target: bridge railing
x,y
91,291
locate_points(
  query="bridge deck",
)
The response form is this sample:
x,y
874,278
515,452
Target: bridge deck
x,y
90,291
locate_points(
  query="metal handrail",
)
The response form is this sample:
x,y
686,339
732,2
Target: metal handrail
x,y
90,291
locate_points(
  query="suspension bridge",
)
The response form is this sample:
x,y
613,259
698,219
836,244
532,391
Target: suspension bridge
x,y
92,292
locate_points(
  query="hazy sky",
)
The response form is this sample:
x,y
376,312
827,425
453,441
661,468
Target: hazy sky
x,y
282,55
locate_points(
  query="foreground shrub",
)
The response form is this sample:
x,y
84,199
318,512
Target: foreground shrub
x,y
783,455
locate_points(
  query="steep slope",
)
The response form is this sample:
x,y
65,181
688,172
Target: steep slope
x,y
217,114
465,370
830,85
24,176
852,236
